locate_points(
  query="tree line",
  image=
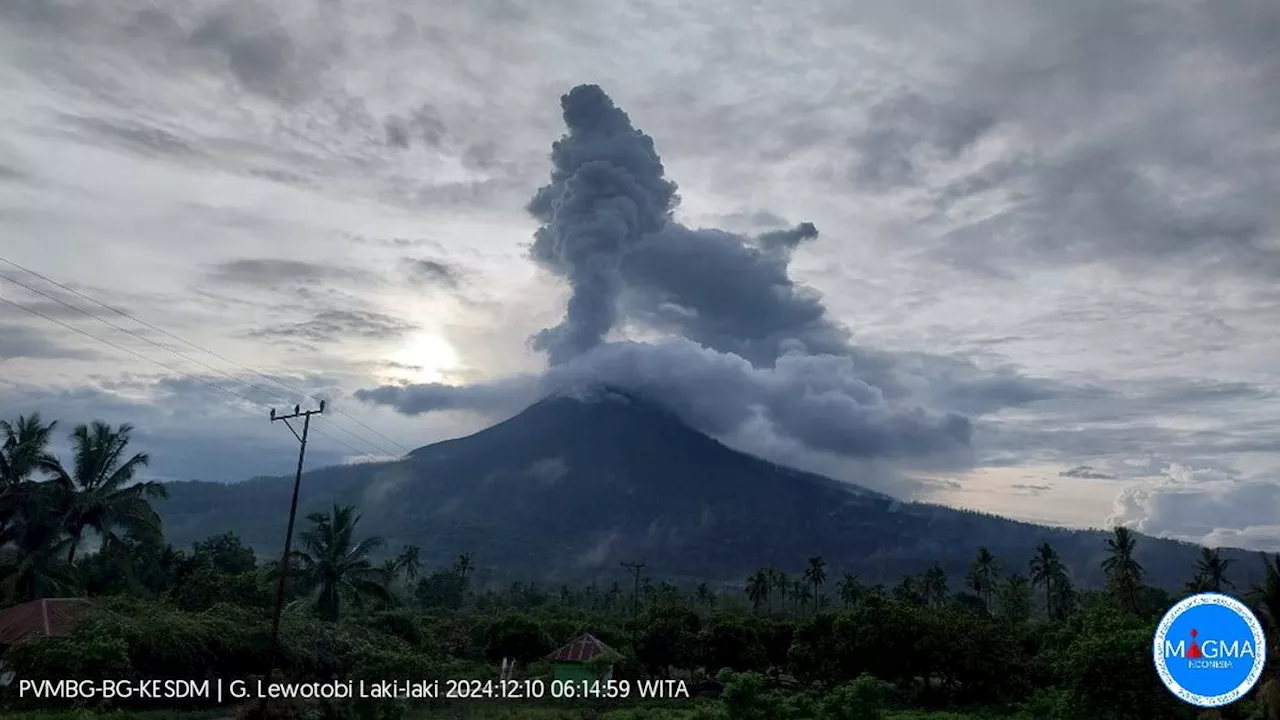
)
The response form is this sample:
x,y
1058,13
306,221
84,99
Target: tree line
x,y
813,643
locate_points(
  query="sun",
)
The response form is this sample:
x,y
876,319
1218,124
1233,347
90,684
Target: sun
x,y
425,357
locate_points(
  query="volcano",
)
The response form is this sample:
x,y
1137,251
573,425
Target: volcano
x,y
580,482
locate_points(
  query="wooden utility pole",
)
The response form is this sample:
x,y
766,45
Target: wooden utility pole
x,y
298,412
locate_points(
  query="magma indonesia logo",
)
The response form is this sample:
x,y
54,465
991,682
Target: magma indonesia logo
x,y
1210,650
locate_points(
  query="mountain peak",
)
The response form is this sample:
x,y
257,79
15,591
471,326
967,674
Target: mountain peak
x,y
597,393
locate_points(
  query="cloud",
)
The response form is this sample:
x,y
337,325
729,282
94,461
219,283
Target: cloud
x,y
805,398
25,342
432,272
1087,472
607,192
1116,132
747,344
1027,489
271,271
188,428
1205,506
336,325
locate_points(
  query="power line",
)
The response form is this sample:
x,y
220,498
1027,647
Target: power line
x,y
192,360
171,369
188,343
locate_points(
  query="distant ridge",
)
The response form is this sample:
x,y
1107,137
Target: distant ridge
x,y
594,475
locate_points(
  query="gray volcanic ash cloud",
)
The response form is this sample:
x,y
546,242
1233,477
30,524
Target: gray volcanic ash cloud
x,y
747,346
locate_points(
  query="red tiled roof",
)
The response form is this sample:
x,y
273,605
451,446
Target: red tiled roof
x,y
50,617
581,649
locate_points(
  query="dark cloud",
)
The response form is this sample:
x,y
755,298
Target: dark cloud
x,y
23,341
497,398
256,50
243,41
800,398
907,132
133,136
1025,489
268,272
607,192
432,272
1087,472
751,345
337,325
424,125
1113,137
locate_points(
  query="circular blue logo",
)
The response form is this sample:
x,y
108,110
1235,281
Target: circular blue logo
x,y
1209,650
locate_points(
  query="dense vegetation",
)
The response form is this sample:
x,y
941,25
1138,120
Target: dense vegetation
x,y
1012,637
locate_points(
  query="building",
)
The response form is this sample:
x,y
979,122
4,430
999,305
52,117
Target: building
x,y
583,658
49,617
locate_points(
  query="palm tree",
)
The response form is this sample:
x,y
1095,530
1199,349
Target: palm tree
x,y
410,562
24,503
982,575
816,574
334,566
850,589
1211,572
100,490
933,585
758,586
1014,604
1265,597
463,565
1047,571
782,585
24,449
1124,574
390,571
799,594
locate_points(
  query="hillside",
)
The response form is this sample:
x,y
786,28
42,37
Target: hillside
x,y
570,487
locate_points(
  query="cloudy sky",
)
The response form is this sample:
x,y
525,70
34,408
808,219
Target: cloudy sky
x,y
1039,278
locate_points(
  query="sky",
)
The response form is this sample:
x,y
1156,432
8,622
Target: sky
x,y
1011,256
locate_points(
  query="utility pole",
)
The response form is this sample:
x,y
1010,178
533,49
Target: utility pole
x,y
298,412
635,568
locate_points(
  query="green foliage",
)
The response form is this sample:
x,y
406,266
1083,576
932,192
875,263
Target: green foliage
x,y
1031,647
516,637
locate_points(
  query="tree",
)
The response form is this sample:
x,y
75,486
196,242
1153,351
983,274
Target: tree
x,y
1211,572
850,589
1265,597
410,562
225,553
1014,604
334,566
781,584
31,512
982,575
1048,572
1124,574
799,595
24,450
463,565
816,574
102,495
933,585
758,586
907,592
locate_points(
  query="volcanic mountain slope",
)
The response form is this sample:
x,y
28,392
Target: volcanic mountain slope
x,y
573,485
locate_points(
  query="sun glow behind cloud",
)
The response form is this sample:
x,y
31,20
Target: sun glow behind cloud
x,y
424,358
